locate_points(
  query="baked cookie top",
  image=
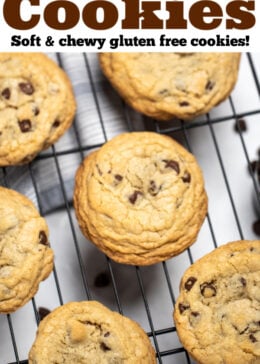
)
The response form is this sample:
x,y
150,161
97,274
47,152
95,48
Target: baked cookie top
x,y
140,198
167,85
37,105
88,332
217,314
25,256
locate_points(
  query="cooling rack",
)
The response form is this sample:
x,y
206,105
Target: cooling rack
x,y
225,142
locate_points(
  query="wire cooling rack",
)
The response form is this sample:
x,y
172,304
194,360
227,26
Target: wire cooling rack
x,y
225,142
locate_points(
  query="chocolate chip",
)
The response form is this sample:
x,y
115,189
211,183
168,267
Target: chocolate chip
x,y
36,110
243,281
43,238
106,334
240,125
56,123
104,347
252,338
190,283
164,92
153,188
26,87
102,280
99,170
208,289
243,331
25,125
183,307
195,314
6,93
256,227
43,312
209,86
118,177
184,103
134,196
172,164
186,177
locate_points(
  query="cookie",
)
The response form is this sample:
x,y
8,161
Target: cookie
x,y
25,256
88,332
37,105
217,314
140,198
168,85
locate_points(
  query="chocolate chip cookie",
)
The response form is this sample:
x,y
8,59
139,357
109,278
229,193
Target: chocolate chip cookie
x,y
217,314
168,85
88,332
140,198
37,105
25,256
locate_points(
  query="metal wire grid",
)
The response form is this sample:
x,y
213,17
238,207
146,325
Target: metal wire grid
x,y
173,352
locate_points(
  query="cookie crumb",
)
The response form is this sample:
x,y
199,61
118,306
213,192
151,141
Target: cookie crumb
x,y
102,280
240,125
256,227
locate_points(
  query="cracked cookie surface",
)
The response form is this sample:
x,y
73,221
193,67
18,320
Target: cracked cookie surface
x,y
89,333
217,314
140,198
37,105
167,85
25,256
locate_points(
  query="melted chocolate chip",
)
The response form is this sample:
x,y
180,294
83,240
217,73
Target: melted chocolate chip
x,y
104,347
208,289
186,177
209,86
56,123
43,238
243,281
102,280
43,312
184,103
106,334
172,164
183,307
25,125
190,283
134,196
252,338
118,177
26,87
6,93
240,125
